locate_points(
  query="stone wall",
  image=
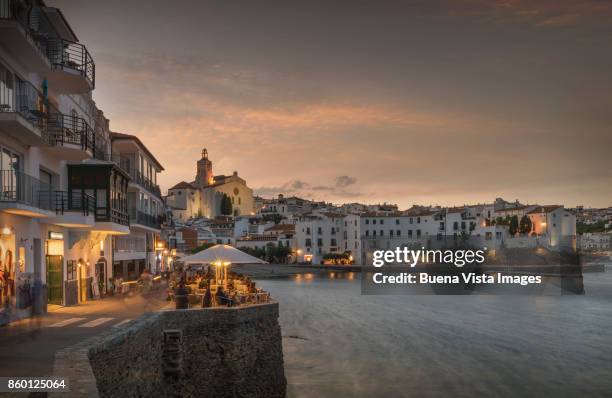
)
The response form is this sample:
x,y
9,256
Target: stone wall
x,y
223,352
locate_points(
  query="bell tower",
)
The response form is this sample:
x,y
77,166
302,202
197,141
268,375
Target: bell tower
x,y
204,176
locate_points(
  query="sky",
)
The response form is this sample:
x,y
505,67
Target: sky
x,y
413,102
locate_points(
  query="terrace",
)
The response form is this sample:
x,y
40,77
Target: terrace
x,y
42,39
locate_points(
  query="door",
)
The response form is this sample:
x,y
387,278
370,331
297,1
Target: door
x,y
82,275
101,274
55,279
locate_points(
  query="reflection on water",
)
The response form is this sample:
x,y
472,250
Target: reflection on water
x,y
339,343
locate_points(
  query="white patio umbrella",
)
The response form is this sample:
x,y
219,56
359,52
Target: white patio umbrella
x,y
221,256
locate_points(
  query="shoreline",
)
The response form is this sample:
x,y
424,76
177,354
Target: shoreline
x,y
276,271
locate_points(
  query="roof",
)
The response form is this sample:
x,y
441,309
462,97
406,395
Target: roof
x,y
522,207
420,212
183,185
122,136
381,214
264,238
545,209
281,228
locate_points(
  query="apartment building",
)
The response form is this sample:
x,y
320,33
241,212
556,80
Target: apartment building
x,y
555,224
63,196
139,250
318,234
55,231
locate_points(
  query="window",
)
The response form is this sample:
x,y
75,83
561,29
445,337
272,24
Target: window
x,y
308,231
410,220
333,242
381,233
367,221
382,222
418,233
319,242
418,220
333,231
410,233
399,233
319,230
71,266
367,233
455,226
374,222
391,233
308,242
397,221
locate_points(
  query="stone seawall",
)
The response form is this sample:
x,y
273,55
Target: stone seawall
x,y
216,352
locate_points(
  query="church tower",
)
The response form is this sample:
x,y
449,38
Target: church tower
x,y
204,177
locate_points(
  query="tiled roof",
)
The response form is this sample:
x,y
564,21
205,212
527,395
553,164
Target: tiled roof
x,y
183,185
122,136
544,209
281,228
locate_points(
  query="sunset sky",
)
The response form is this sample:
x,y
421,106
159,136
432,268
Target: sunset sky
x,y
426,102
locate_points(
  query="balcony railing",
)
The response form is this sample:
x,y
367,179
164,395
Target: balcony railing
x,y
143,181
17,10
22,188
24,99
115,216
62,54
72,56
67,129
139,217
74,201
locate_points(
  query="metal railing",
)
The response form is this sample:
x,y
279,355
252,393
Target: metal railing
x,y
66,54
61,53
30,17
67,129
142,218
22,188
74,201
143,181
23,98
116,216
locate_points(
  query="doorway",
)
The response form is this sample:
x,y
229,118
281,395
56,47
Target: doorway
x,y
55,278
101,275
82,281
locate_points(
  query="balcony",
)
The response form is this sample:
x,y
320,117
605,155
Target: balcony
x,y
73,70
24,195
110,184
73,209
27,33
138,217
22,112
140,179
19,39
70,136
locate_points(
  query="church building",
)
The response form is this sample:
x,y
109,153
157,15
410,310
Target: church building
x,y
203,197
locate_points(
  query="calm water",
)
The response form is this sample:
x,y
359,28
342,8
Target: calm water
x,y
338,343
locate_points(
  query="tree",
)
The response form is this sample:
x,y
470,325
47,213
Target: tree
x,y
525,225
514,224
203,246
226,205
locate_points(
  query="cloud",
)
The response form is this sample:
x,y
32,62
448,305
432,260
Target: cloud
x,y
345,181
309,191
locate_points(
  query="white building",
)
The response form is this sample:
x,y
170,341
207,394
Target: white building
x,y
139,249
555,224
203,196
61,200
320,233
